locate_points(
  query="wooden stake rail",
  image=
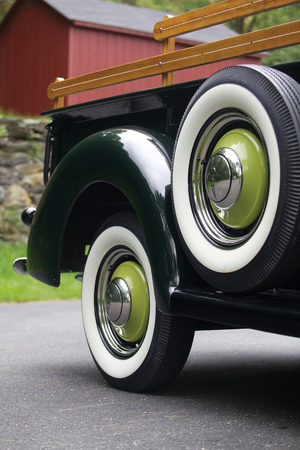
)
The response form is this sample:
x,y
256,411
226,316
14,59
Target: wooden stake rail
x,y
254,42
214,15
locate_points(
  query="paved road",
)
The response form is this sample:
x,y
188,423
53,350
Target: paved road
x,y
238,390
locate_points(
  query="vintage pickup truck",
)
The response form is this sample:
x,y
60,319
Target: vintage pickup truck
x,y
179,207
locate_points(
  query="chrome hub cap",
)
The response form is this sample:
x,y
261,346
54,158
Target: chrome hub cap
x,y
118,302
223,178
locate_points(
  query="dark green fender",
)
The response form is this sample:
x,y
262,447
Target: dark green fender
x,y
137,163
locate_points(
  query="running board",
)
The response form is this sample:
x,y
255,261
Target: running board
x,y
274,312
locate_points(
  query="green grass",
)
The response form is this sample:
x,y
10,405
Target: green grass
x,y
12,113
16,288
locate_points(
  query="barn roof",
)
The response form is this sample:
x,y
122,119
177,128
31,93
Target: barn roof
x,y
128,17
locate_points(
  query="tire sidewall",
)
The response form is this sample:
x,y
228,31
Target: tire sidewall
x,y
114,367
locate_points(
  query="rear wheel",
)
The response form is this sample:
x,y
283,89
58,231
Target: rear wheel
x,y
235,179
135,347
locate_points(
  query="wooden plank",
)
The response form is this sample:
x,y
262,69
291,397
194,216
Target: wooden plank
x,y
59,101
168,47
213,15
254,42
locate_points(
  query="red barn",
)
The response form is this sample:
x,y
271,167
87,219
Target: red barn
x,y
44,39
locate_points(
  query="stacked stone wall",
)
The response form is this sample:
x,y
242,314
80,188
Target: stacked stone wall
x,y
22,144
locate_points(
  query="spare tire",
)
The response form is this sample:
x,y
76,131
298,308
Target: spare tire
x,y
236,179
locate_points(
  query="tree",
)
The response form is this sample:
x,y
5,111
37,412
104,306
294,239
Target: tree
x,y
4,7
269,19
243,25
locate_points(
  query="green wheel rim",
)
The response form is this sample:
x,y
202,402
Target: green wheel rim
x,y
135,328
229,178
254,188
122,302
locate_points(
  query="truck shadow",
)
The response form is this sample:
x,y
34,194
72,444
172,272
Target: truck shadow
x,y
258,380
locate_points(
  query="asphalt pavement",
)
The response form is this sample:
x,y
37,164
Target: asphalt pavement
x,y
238,390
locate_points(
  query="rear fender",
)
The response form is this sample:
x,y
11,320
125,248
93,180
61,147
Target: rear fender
x,y
135,162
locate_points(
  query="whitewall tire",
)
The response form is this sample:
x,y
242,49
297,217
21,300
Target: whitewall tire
x,y
232,222
140,350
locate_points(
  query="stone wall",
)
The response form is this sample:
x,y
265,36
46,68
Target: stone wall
x,y
22,144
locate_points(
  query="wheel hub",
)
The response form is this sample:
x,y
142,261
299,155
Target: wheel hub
x,y
118,302
223,178
125,303
229,180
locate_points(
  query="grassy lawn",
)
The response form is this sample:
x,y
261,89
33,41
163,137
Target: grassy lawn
x,y
16,288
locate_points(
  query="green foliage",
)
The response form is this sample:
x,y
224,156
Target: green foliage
x,y
277,17
7,113
16,288
4,7
244,25
3,131
36,150
269,19
12,113
283,55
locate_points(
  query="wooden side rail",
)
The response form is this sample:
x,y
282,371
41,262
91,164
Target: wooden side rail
x,y
253,42
214,15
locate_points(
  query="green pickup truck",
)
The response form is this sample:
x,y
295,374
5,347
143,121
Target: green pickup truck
x,y
179,207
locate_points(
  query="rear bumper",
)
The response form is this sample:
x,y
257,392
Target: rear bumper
x,y
20,266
